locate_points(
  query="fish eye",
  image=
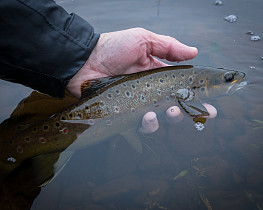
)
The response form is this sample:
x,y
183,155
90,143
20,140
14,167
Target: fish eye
x,y
229,77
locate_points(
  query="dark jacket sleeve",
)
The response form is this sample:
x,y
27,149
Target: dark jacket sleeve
x,y
41,45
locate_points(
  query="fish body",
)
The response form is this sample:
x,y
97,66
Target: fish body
x,y
115,105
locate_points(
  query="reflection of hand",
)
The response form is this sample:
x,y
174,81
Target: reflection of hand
x,y
129,51
173,115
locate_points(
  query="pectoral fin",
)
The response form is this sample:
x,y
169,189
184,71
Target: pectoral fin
x,y
193,108
133,139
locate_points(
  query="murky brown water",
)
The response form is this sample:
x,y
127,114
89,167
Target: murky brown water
x,y
220,167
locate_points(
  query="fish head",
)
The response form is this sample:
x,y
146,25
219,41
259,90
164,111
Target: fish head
x,y
211,82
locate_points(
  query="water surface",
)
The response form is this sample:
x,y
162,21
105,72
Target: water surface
x,y
180,168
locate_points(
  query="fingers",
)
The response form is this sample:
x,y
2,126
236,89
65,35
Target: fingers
x,y
211,110
174,114
166,47
149,123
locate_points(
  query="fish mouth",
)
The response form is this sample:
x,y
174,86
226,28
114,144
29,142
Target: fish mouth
x,y
234,87
237,84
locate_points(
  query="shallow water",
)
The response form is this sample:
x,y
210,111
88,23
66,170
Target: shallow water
x,y
221,167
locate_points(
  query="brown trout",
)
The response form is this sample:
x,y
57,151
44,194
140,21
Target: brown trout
x,y
115,105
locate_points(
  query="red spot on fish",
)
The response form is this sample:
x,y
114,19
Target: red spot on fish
x,y
78,133
42,140
91,122
108,122
19,149
116,109
65,130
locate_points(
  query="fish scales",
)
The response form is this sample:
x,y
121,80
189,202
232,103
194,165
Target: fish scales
x,y
116,105
123,103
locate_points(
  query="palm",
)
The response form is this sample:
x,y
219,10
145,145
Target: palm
x,y
129,51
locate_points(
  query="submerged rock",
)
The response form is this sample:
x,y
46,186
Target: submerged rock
x,y
116,187
218,3
250,33
255,38
231,18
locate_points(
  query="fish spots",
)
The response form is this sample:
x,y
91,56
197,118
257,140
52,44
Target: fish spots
x,y
133,86
63,117
109,96
155,103
190,80
148,85
90,121
79,116
11,159
117,91
138,82
201,81
132,110
27,139
181,83
173,76
57,125
78,133
161,80
108,122
42,140
165,75
64,130
45,127
18,128
159,92
128,94
116,109
142,98
34,130
124,85
167,98
19,149
182,75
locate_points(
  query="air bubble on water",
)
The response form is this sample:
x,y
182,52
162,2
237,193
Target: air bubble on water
x,y
255,38
262,58
252,67
218,3
231,18
199,126
250,33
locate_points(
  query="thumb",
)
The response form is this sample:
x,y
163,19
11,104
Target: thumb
x,y
166,47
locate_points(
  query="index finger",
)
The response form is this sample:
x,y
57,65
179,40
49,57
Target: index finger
x,y
166,47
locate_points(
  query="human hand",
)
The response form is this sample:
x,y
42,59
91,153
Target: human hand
x,y
129,51
173,115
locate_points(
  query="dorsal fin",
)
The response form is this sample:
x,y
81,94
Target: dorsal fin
x,y
91,86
